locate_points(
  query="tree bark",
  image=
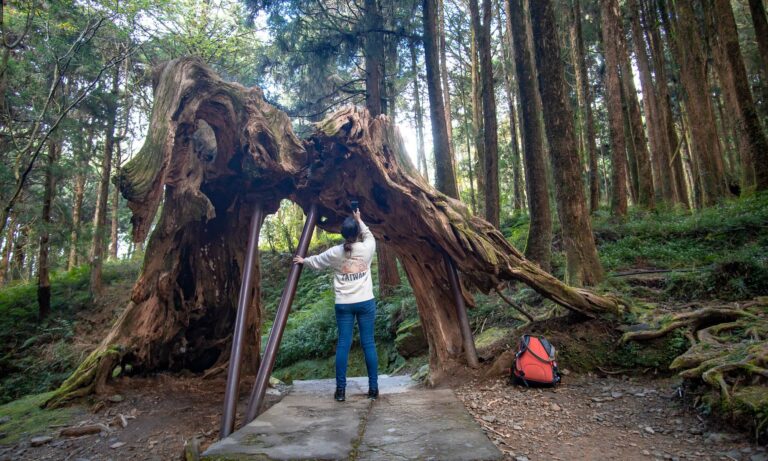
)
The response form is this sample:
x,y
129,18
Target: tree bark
x,y
645,192
20,249
538,247
582,263
610,28
183,305
477,109
445,179
505,38
585,102
446,85
374,57
5,259
705,144
113,234
43,267
759,21
375,84
97,245
490,129
657,132
753,146
77,207
679,188
421,158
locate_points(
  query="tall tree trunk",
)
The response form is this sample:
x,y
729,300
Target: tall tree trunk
x,y
753,146
585,102
705,143
446,85
477,111
610,29
582,263
445,179
468,142
43,268
77,206
376,103
680,189
113,234
5,259
759,21
490,130
538,247
20,249
421,157
505,39
374,58
97,246
645,194
657,131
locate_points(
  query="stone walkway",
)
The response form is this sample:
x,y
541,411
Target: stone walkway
x,y
406,422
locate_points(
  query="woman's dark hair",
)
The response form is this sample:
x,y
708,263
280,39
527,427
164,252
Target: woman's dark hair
x,y
350,230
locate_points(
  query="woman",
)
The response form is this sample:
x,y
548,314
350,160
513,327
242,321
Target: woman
x,y
351,263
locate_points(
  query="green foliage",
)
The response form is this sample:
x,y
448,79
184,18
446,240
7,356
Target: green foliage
x,y
37,356
731,280
679,239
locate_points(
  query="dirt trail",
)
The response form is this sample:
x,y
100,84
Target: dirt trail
x,y
596,418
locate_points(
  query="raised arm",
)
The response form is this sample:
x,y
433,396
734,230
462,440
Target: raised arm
x,y
369,242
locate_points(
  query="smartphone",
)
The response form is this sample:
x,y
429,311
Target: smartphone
x,y
354,205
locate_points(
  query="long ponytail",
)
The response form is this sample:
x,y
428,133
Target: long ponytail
x,y
350,230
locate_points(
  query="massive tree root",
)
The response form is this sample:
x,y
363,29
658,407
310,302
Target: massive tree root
x,y
216,149
728,354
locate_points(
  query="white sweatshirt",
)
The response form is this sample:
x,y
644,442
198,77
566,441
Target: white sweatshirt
x,y
352,275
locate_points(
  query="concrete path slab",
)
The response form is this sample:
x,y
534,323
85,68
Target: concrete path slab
x,y
405,423
426,424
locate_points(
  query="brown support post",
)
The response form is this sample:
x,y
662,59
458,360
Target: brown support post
x,y
235,358
283,309
461,310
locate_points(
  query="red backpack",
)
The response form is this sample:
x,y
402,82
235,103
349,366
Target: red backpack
x,y
535,362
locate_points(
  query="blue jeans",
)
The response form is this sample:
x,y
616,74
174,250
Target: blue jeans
x,y
365,312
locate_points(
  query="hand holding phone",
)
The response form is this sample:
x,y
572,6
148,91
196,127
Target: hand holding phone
x,y
354,205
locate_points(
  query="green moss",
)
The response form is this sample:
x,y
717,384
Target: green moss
x,y
27,419
491,336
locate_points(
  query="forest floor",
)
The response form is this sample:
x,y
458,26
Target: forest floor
x,y
586,417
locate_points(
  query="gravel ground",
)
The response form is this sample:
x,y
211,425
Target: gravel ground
x,y
590,417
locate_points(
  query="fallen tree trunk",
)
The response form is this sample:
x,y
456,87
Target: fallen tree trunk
x,y
353,155
216,149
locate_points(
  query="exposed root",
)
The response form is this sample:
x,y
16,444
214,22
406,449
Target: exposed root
x,y
694,318
91,376
728,352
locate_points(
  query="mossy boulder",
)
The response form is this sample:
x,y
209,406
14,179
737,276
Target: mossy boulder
x,y
492,339
410,340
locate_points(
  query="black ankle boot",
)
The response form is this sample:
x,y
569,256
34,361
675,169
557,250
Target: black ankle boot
x,y
339,395
373,394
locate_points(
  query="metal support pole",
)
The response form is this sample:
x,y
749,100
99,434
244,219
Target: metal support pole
x,y
461,310
235,358
283,309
